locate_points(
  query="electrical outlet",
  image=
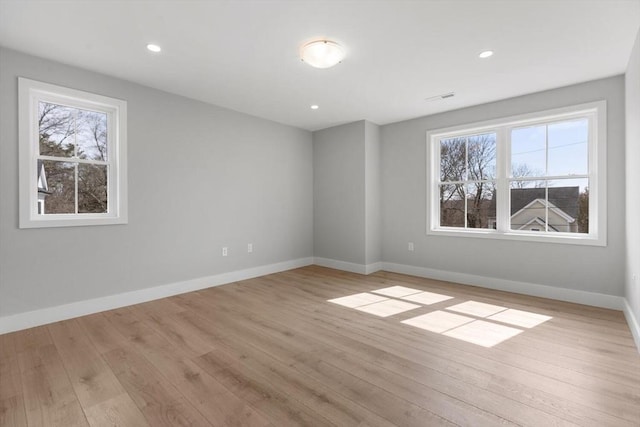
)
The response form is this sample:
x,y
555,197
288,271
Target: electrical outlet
x,y
225,251
410,246
249,247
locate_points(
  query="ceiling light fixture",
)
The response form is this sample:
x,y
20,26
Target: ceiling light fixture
x,y
322,53
485,54
154,48
314,107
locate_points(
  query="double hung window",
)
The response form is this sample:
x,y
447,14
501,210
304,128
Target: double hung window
x,y
538,177
72,157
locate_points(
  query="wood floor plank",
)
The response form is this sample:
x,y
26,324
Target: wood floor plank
x,y
272,351
212,399
103,336
92,379
278,375
118,411
48,394
12,411
159,401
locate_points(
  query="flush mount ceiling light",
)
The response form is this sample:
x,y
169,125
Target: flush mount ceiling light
x,y
314,107
154,48
322,53
485,54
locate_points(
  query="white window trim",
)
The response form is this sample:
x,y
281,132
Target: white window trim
x,y
597,176
30,93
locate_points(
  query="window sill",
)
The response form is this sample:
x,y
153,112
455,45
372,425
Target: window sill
x,y
561,238
72,221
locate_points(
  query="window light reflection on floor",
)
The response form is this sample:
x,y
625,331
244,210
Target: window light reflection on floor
x,y
426,298
438,321
357,300
388,307
397,291
458,321
483,333
478,309
520,318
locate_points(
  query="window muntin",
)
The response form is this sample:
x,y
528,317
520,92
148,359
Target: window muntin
x,y
72,157
546,183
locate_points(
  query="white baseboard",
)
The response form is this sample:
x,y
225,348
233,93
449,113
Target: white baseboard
x,y
533,289
47,315
633,323
348,266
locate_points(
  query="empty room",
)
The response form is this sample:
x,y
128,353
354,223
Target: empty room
x,y
319,213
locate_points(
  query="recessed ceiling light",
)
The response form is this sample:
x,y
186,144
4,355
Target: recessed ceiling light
x,y
485,54
322,53
154,48
314,107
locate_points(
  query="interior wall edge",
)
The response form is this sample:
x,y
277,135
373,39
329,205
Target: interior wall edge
x,y
634,325
348,266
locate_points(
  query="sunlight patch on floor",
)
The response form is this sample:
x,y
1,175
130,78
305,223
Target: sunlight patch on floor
x,y
387,308
478,309
357,300
438,321
524,319
426,298
469,328
397,291
483,333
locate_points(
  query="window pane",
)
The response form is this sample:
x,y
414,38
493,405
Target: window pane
x,y
568,148
92,135
479,204
452,159
92,188
528,151
59,191
569,205
481,156
560,205
56,126
452,205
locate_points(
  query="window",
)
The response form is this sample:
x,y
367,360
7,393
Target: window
x,y
538,177
72,157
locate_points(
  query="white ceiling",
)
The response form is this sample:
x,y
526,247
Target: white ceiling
x,y
244,55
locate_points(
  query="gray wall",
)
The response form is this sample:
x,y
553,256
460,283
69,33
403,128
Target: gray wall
x,y
632,97
339,193
597,269
373,193
200,177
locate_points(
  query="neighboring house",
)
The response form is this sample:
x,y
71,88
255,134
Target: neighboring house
x,y
43,188
529,208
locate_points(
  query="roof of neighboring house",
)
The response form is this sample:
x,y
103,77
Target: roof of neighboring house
x,y
537,220
565,198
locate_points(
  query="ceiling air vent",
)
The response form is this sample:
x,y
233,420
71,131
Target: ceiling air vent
x,y
440,97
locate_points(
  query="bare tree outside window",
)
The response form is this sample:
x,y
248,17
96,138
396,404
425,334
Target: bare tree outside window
x,y
467,176
66,134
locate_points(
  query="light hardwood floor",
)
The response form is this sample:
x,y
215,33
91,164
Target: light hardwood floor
x,y
272,351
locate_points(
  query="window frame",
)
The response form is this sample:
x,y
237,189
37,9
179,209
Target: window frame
x,y
30,94
596,112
